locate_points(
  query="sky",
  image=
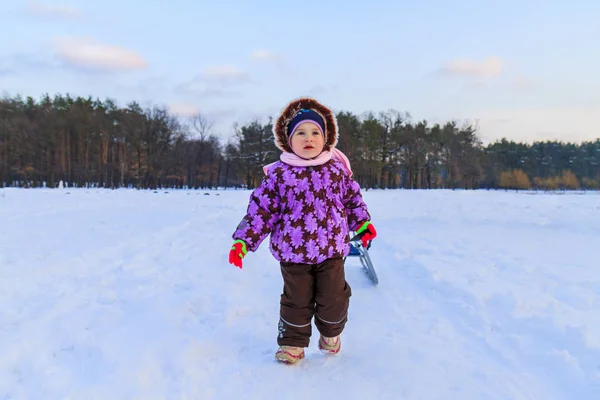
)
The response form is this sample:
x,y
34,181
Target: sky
x,y
525,71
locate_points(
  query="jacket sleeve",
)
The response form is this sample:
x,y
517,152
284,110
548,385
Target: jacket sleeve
x,y
356,208
261,215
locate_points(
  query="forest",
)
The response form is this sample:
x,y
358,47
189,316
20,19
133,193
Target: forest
x,y
86,142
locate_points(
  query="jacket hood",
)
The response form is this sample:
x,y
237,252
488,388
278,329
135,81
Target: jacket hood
x,y
281,124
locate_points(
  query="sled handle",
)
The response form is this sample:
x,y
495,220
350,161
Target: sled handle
x,y
356,238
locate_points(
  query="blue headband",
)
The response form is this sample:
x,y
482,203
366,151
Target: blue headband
x,y
304,115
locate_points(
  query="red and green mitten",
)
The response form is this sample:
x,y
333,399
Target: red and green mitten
x,y
237,253
367,233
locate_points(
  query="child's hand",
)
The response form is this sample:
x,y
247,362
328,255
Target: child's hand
x,y
237,253
368,233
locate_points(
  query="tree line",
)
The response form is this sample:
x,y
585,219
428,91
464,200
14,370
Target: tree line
x,y
86,142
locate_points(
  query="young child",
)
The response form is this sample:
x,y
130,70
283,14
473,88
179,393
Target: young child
x,y
309,203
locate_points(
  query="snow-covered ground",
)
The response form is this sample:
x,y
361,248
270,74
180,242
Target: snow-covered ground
x,y
128,295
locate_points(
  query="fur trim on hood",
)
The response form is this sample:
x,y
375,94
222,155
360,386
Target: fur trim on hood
x,y
281,124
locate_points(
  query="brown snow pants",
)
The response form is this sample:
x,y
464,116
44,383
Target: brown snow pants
x,y
318,290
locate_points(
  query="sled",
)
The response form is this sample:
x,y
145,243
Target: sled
x,y
358,250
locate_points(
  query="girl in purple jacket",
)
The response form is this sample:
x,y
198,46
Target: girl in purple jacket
x,y
308,203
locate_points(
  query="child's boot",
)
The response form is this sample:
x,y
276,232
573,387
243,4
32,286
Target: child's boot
x,y
330,345
289,354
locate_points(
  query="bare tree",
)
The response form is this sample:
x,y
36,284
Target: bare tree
x,y
85,141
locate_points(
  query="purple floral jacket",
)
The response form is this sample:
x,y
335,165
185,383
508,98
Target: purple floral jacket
x,y
309,212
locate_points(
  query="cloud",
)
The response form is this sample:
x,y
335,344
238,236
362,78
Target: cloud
x,y
215,82
322,89
184,109
225,74
275,60
489,67
6,71
37,8
264,55
87,53
570,124
525,83
19,62
200,90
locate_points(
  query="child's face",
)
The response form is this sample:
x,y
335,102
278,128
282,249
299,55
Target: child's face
x,y
307,141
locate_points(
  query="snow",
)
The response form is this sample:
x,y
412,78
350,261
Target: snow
x,y
125,294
